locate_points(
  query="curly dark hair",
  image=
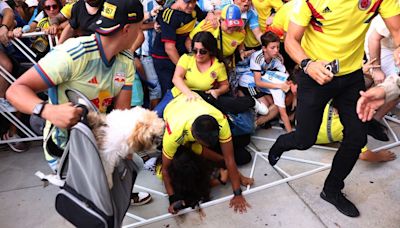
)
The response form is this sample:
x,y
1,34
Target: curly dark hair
x,y
190,177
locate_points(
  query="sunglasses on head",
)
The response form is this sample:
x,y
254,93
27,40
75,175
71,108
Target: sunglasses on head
x,y
48,7
200,51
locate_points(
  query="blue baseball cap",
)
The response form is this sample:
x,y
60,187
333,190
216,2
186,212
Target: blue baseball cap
x,y
232,16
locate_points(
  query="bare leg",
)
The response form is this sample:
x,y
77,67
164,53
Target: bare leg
x,y
273,112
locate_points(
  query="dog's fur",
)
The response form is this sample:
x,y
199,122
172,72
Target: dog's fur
x,y
124,132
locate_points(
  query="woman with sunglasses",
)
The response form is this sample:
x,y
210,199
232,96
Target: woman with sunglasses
x,y
50,10
202,70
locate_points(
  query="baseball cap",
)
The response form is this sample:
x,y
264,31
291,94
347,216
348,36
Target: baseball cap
x,y
232,15
32,3
116,14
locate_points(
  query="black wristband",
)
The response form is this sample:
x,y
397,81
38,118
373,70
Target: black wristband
x,y
173,198
237,192
4,25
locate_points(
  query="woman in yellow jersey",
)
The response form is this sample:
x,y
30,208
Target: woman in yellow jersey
x,y
202,70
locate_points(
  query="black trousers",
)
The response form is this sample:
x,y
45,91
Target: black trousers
x,y
312,98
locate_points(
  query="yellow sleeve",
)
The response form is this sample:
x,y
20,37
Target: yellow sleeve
x,y
197,148
224,131
66,10
203,26
56,72
184,61
276,4
301,14
221,72
389,8
169,146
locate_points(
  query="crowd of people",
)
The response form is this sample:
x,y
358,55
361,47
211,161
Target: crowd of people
x,y
202,66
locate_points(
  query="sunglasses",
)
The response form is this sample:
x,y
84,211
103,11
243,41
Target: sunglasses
x,y
48,7
200,51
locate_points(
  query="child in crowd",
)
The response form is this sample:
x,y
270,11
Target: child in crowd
x,y
270,76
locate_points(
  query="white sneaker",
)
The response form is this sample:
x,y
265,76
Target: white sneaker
x,y
260,108
6,105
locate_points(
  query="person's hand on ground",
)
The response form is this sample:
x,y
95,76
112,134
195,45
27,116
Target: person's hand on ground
x,y
176,206
239,204
317,71
369,102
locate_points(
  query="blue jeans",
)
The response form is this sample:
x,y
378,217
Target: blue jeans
x,y
165,69
148,65
159,109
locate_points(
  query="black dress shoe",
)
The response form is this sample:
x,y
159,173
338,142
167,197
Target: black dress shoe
x,y
377,130
341,203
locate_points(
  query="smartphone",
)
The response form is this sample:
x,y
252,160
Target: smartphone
x,y
333,66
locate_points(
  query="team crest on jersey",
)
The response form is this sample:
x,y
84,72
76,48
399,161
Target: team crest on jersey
x,y
213,75
234,43
364,4
119,79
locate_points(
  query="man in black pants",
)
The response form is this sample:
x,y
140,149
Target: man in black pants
x,y
320,31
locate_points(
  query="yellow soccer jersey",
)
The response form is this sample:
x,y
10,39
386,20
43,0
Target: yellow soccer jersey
x,y
331,129
44,23
80,64
281,20
179,116
196,80
66,10
229,41
336,29
263,8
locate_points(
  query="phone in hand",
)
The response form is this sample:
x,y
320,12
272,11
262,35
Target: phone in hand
x,y
333,66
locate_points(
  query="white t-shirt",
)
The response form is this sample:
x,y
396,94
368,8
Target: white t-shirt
x,y
378,25
3,6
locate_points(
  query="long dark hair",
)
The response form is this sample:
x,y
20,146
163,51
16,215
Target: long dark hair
x,y
209,42
190,177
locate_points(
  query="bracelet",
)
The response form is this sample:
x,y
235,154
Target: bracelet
x,y
237,192
308,64
4,25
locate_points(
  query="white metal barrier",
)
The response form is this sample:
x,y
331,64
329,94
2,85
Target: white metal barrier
x,y
5,108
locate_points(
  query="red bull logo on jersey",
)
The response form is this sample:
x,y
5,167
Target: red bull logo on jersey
x,y
364,4
119,79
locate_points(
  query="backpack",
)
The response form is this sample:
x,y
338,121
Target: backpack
x,y
85,199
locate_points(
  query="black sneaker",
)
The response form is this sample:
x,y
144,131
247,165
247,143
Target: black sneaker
x,y
377,130
341,203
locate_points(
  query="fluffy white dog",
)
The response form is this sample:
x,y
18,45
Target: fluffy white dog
x,y
124,132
